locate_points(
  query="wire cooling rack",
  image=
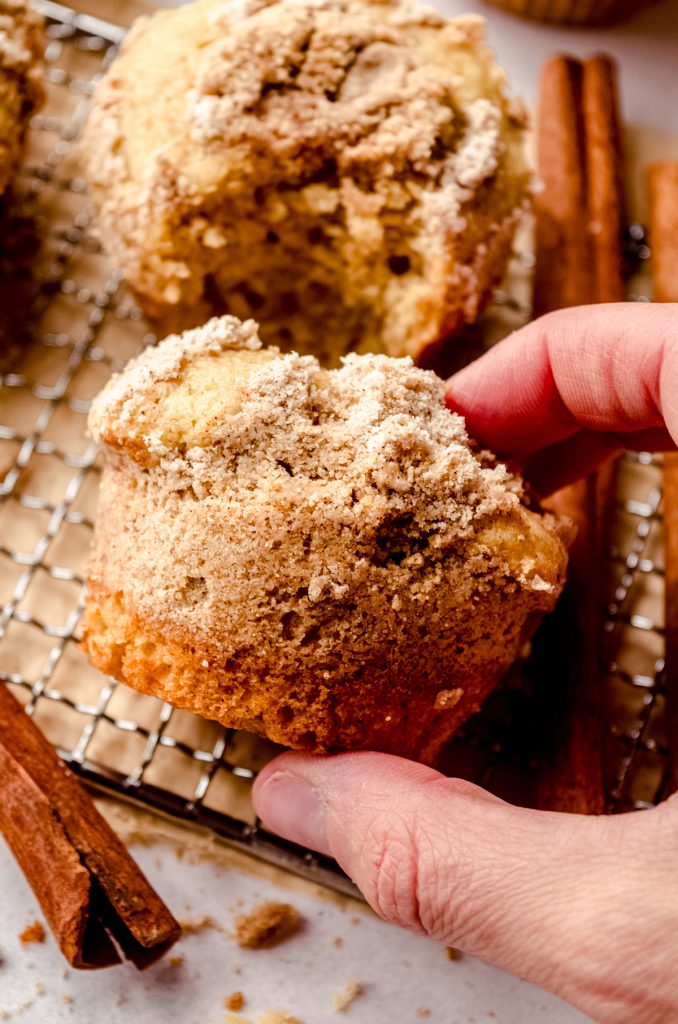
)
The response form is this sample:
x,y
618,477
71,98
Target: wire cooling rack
x,y
80,324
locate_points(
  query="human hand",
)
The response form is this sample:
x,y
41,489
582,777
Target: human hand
x,y
563,393
585,907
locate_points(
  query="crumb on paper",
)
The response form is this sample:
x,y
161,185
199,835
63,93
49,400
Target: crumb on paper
x,y
267,925
423,1012
356,920
235,1018
176,961
33,933
337,942
66,998
235,1001
200,923
4,1014
453,954
342,1000
39,987
278,1017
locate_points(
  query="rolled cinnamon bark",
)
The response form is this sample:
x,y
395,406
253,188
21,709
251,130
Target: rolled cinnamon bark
x,y
604,166
96,900
579,223
562,272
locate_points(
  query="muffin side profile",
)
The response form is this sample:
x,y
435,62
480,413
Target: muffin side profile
x,y
21,92
315,555
348,170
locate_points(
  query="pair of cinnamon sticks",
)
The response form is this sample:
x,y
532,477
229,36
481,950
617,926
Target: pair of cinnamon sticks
x,y
96,900
580,210
579,260
579,216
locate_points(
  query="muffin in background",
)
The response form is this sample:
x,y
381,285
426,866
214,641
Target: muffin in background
x,y
348,172
574,12
318,556
21,92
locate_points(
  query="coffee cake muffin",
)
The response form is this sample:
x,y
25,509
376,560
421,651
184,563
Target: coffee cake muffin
x,y
21,44
349,172
319,556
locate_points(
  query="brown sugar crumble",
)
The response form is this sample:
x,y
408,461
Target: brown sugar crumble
x,y
235,1001
33,933
453,954
267,925
423,1012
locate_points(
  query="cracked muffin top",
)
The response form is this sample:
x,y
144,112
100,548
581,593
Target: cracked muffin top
x,y
213,413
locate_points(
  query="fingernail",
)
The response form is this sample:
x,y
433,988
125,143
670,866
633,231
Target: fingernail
x,y
294,809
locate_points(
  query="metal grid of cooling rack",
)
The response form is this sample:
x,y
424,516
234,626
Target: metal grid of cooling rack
x,y
82,325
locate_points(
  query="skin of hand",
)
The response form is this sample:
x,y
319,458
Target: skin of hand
x,y
584,907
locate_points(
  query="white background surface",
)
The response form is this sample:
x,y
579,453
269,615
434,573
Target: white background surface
x,y
401,973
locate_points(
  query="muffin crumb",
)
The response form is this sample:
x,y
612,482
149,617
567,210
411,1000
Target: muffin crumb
x,y
199,923
235,1001
351,991
267,925
34,932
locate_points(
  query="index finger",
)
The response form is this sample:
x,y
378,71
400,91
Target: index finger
x,y
611,369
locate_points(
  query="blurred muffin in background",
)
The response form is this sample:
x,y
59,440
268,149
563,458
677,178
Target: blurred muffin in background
x,y
350,172
21,45
21,93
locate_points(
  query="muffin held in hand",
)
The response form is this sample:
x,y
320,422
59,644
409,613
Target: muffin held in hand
x,y
349,172
21,44
320,556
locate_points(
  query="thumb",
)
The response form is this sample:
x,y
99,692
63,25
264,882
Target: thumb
x,y
552,897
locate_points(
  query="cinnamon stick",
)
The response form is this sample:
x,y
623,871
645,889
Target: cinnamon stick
x,y
663,197
96,900
579,217
604,192
562,271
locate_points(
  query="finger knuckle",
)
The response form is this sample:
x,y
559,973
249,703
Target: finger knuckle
x,y
393,872
411,873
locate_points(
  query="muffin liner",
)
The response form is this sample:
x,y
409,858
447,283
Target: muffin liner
x,y
573,12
